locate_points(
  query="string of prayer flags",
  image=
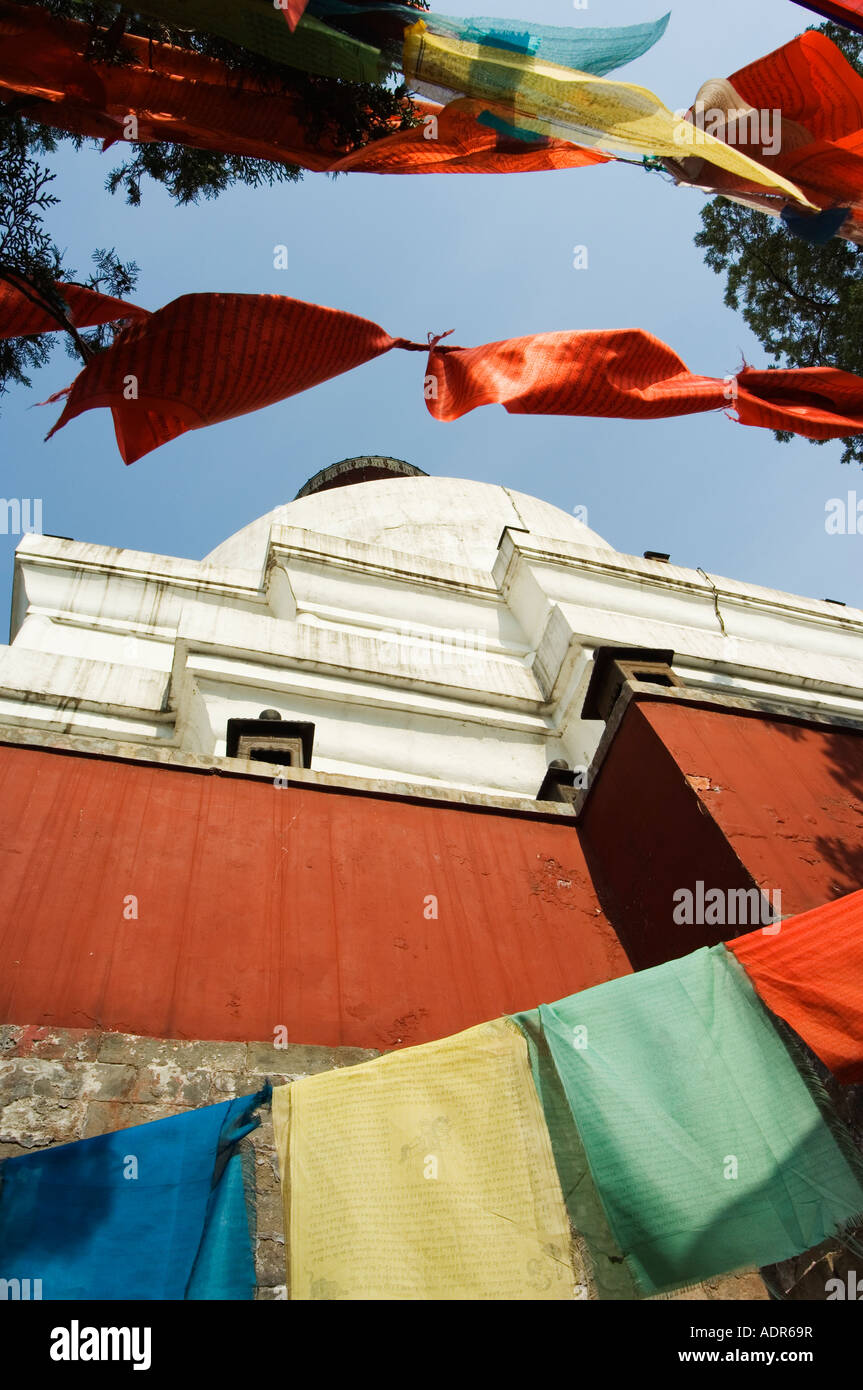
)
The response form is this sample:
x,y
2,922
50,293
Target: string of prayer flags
x,y
629,374
157,1211
665,1112
22,313
811,975
425,1174
848,13
596,51
707,1145
491,76
167,374
561,103
168,94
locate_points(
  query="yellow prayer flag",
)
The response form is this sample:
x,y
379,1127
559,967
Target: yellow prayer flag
x,y
426,1174
563,104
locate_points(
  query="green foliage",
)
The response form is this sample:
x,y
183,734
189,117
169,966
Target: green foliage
x,y
190,174
31,261
25,246
804,303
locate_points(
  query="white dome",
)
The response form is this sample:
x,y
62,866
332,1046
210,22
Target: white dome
x,y
450,519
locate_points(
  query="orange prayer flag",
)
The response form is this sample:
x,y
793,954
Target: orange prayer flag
x,y
451,140
810,81
621,372
809,972
815,402
624,373
22,315
171,373
164,94
293,10
629,374
820,97
805,121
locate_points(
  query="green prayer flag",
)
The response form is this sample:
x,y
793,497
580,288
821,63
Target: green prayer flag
x,y
606,1266
258,26
707,1145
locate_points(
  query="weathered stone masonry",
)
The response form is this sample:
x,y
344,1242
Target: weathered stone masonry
x,y
62,1084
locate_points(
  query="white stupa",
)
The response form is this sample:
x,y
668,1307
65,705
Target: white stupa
x,y
434,631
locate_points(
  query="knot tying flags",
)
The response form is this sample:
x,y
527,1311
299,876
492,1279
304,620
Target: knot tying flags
x,y
429,346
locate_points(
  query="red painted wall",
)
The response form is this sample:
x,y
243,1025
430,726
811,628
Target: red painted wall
x,y
645,836
735,799
787,796
260,907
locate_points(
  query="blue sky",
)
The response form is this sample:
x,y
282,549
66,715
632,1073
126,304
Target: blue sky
x,y
490,257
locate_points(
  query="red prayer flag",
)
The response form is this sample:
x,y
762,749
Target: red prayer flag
x,y
293,10
20,316
210,357
815,402
204,358
623,372
810,973
629,374
808,80
457,143
846,12
163,94
814,98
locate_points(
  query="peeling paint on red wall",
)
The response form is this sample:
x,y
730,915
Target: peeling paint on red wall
x,y
726,797
647,835
787,795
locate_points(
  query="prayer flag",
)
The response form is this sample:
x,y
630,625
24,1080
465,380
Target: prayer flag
x,y
810,973
426,1174
157,1211
704,1139
848,13
562,103
22,312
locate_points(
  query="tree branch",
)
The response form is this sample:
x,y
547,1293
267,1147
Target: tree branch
x,y
817,304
